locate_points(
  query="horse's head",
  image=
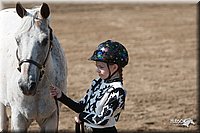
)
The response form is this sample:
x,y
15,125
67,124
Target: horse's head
x,y
34,42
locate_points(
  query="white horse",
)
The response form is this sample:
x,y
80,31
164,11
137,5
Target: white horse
x,y
27,43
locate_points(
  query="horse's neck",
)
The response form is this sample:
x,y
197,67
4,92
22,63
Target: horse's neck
x,y
9,21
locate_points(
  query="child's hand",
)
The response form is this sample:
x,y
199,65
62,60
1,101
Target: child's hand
x,y
55,92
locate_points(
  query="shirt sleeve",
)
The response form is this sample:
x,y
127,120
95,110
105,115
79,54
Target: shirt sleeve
x,y
112,107
75,106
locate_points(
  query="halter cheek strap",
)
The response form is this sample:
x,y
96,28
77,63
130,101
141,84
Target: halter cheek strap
x,y
40,66
29,61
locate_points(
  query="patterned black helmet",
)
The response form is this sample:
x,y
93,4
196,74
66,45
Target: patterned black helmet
x,y
111,52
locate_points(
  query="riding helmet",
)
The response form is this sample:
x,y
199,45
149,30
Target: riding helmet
x,y
111,52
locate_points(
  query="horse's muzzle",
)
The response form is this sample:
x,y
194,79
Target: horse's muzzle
x,y
27,88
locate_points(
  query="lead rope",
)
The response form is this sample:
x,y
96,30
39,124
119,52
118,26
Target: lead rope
x,y
56,101
55,98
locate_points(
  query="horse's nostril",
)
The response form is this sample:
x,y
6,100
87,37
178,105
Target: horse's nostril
x,y
32,88
32,85
23,87
20,83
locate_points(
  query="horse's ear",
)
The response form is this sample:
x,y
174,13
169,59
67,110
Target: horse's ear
x,y
20,10
44,11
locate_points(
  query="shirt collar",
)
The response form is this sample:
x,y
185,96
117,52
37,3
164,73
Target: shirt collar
x,y
113,80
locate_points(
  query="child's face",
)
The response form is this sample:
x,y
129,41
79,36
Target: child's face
x,y
103,71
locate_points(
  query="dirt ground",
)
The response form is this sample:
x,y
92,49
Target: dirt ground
x,y
161,77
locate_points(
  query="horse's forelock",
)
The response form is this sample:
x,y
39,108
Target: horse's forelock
x,y
33,18
26,25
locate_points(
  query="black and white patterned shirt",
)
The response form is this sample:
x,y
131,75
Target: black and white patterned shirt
x,y
102,104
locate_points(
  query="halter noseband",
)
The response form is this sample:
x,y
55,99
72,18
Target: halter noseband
x,y
40,66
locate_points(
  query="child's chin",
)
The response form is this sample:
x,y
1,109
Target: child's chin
x,y
101,77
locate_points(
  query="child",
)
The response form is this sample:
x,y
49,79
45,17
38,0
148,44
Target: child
x,y
100,108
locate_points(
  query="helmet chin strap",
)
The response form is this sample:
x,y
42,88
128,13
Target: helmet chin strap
x,y
110,75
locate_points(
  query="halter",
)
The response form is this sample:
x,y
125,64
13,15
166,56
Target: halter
x,y
40,66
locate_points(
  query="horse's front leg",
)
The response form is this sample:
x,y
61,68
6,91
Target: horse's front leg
x,y
49,124
19,122
3,118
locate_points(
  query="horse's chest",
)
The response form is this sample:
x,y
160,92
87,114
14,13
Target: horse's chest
x,y
46,107
36,108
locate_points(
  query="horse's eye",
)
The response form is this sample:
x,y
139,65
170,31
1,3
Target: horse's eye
x,y
44,41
